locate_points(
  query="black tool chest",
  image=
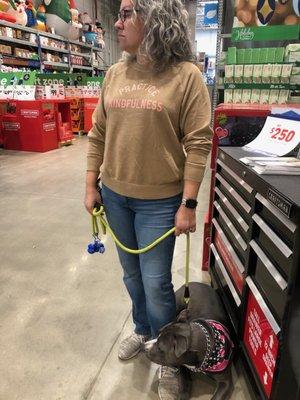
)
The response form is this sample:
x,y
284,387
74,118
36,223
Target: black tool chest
x,y
255,266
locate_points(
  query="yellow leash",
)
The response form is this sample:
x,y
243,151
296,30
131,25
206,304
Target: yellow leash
x,y
100,213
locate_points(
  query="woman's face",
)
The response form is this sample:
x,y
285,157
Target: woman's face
x,y
130,29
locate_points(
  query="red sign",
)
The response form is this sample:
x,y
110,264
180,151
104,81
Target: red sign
x,y
30,113
229,262
49,126
261,343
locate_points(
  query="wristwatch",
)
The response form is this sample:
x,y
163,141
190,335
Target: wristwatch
x,y
189,203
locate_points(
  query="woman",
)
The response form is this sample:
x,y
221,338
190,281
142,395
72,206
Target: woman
x,y
151,138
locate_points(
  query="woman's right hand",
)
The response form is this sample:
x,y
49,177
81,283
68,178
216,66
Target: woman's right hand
x,y
92,196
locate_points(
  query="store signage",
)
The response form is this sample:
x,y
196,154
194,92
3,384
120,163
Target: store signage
x,y
265,33
278,137
17,78
211,13
94,81
261,343
11,126
49,126
60,79
266,20
30,113
280,202
230,264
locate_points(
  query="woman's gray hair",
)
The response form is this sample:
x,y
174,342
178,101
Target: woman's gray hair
x,y
166,34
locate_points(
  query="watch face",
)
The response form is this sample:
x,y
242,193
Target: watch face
x,y
191,203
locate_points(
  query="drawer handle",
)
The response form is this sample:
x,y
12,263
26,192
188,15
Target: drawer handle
x,y
229,247
233,211
234,194
289,224
235,176
263,306
235,233
283,248
226,276
270,267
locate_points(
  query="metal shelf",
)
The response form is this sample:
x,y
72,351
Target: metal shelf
x,y
19,27
18,41
99,49
53,36
225,35
54,49
82,67
55,64
73,53
89,46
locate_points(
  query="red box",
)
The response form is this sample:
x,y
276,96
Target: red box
x,y
63,120
30,126
89,106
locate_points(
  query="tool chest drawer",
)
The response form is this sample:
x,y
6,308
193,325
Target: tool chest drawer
x,y
242,187
232,298
234,197
273,245
272,284
232,263
275,219
239,244
238,221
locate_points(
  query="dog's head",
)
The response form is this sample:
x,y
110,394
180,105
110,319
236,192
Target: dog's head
x,y
173,346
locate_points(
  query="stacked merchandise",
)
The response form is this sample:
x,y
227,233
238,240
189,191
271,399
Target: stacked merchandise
x,y
262,75
77,115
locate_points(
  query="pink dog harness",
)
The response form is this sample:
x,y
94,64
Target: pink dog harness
x,y
217,358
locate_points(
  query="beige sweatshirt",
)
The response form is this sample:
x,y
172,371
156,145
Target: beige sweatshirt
x,y
150,132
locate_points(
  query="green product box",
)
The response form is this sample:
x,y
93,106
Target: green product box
x,y
271,51
240,56
263,56
279,54
231,55
255,56
248,56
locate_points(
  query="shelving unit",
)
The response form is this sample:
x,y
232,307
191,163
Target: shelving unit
x,y
63,52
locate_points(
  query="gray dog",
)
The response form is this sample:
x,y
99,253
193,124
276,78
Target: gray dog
x,y
198,340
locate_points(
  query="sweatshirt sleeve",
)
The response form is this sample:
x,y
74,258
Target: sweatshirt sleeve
x,y
96,135
195,119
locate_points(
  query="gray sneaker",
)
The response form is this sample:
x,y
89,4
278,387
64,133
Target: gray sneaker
x,y
173,384
131,346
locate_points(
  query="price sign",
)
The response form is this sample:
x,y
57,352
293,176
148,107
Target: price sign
x,y
278,137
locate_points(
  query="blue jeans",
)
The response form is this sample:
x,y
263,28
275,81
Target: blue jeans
x,y
147,276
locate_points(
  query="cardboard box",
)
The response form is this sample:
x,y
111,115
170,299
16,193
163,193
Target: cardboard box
x,y
248,73
286,73
264,96
246,96
255,96
231,55
229,73
276,73
238,73
237,96
257,73
266,73
274,96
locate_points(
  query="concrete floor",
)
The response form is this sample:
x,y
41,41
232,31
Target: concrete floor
x,y
63,312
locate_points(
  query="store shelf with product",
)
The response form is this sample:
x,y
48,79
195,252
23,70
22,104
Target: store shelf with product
x,y
51,51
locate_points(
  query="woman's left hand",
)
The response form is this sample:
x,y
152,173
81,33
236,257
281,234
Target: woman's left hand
x,y
185,220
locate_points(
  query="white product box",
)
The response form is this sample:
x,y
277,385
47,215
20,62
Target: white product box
x,y
248,73
255,96
266,73
237,96
257,73
246,96
238,73
274,96
228,96
286,73
229,73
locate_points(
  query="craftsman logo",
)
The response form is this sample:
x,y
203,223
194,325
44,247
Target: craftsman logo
x,y
30,113
50,126
11,126
280,202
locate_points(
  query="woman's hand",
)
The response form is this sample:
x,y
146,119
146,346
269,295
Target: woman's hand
x,y
92,196
185,220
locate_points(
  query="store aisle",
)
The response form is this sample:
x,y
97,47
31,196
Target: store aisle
x,y
63,311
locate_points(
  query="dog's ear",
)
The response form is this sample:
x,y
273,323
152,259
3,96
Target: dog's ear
x,y
180,346
183,316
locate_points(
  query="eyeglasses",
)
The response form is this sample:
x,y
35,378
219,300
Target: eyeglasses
x,y
126,13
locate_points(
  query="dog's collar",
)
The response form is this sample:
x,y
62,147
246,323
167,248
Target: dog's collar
x,y
217,357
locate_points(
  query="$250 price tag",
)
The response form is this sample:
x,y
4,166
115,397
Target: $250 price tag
x,y
278,137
